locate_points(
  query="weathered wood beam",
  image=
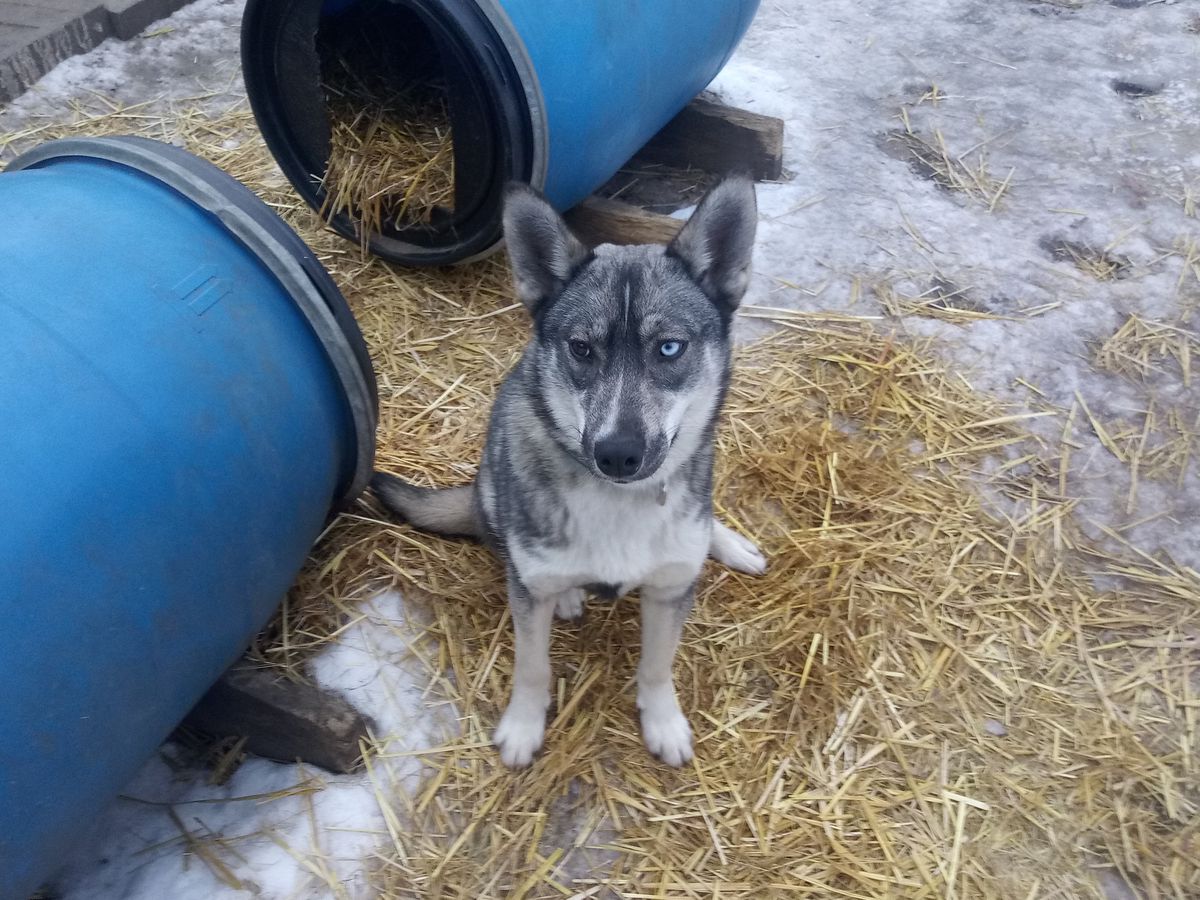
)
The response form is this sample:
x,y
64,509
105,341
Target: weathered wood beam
x,y
282,719
720,139
598,220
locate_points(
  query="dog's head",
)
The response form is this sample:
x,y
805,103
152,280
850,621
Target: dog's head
x,y
631,344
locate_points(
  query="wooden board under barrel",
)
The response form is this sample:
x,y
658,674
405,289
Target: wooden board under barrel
x,y
706,141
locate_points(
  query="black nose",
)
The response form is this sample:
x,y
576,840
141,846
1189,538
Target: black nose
x,y
620,456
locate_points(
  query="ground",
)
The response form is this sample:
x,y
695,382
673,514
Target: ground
x,y
1011,184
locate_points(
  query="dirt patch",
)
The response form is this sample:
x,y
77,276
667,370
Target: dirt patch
x,y
1097,263
1136,89
930,158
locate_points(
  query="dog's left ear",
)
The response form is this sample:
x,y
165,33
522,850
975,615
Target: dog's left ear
x,y
718,240
543,251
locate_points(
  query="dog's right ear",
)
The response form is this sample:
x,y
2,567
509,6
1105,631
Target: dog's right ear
x,y
543,252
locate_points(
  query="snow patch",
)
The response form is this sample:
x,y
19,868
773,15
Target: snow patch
x,y
268,846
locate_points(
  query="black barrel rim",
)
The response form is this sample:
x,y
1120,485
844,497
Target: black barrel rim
x,y
281,73
276,245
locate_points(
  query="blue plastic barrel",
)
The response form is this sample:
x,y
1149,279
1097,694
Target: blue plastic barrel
x,y
558,93
184,400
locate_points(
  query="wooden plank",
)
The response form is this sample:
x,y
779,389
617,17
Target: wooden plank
x,y
598,220
282,719
720,139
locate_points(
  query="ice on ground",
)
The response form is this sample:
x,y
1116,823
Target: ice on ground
x,y
190,57
991,156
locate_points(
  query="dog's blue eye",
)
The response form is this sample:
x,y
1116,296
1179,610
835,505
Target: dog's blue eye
x,y
671,349
580,349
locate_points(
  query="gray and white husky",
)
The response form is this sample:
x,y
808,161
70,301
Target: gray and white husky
x,y
597,472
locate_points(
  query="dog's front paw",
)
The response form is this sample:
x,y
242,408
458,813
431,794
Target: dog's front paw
x,y
665,728
519,735
569,604
739,553
668,737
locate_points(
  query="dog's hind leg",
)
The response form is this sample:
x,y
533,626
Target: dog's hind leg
x,y
523,725
731,549
665,729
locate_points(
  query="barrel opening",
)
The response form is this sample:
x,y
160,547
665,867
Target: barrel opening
x,y
397,96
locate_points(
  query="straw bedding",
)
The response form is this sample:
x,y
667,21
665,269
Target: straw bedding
x,y
391,162
939,690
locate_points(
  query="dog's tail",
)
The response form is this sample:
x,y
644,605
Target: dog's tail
x,y
449,511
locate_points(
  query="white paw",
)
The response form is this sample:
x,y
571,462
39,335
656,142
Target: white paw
x,y
668,737
737,552
519,735
665,729
569,604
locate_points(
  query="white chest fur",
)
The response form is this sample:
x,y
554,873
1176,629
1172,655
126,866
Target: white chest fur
x,y
619,536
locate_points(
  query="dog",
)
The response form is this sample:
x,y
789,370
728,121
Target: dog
x,y
597,470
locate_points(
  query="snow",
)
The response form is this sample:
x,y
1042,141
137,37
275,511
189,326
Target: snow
x,y
270,845
1032,85
193,53
1041,89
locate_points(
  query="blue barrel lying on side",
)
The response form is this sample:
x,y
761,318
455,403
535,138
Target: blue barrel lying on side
x,y
557,93
185,400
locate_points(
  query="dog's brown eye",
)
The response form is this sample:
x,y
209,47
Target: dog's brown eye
x,y
580,349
